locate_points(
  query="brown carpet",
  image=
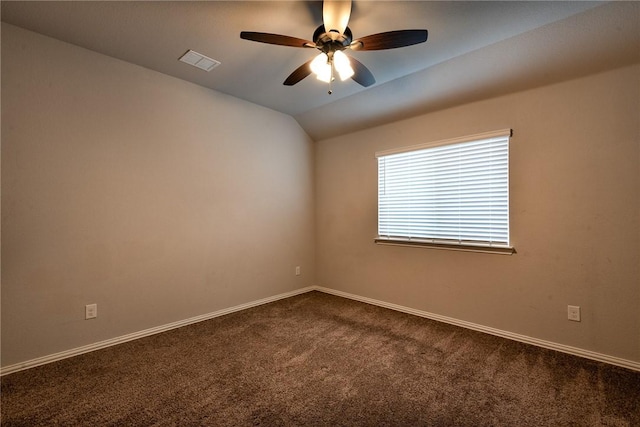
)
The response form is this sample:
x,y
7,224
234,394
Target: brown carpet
x,y
320,360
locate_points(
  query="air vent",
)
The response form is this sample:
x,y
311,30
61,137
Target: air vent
x,y
199,60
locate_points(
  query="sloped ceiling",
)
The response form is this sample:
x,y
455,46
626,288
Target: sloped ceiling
x,y
475,50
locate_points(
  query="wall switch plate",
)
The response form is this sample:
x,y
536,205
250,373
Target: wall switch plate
x,y
91,311
298,270
573,313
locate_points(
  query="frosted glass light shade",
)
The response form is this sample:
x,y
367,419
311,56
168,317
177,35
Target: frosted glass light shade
x,y
342,64
321,67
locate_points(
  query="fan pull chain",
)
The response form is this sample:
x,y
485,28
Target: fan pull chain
x,y
331,80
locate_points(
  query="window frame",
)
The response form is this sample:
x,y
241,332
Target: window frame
x,y
449,244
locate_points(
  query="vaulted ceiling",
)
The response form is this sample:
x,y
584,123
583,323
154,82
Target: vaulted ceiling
x,y
475,50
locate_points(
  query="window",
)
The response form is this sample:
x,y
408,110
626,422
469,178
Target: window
x,y
451,194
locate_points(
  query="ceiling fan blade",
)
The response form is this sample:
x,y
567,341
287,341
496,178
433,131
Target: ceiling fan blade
x,y
275,39
390,40
300,73
335,15
361,74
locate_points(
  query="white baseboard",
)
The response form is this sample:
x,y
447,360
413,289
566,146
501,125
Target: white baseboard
x,y
629,364
612,360
145,333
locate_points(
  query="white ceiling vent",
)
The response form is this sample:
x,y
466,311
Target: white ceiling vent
x,y
199,60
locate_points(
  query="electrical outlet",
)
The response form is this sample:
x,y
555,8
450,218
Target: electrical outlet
x,y
297,270
573,313
91,311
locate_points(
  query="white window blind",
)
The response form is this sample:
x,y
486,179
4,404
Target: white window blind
x,y
453,192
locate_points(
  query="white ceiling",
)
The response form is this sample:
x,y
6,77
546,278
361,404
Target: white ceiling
x,y
475,50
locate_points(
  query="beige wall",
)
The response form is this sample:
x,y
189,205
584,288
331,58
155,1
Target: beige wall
x,y
157,199
575,218
160,200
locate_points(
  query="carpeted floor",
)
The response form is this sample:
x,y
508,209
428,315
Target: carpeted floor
x,y
320,360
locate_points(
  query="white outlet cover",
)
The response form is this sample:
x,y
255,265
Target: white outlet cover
x,y
91,311
573,313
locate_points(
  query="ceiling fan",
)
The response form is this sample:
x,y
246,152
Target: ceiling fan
x,y
331,39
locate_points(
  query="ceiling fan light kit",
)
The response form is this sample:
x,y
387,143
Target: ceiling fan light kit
x,y
332,39
324,64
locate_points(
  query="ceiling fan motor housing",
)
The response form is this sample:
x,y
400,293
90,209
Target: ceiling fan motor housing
x,y
329,42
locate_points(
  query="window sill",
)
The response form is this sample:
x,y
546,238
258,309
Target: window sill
x,y
501,250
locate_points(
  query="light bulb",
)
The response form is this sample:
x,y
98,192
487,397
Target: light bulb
x,y
342,64
321,67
